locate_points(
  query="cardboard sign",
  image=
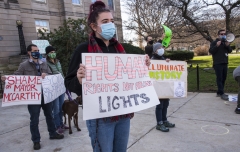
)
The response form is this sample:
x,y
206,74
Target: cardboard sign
x,y
169,78
22,90
233,98
53,86
116,84
41,44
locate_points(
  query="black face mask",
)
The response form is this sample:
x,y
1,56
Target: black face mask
x,y
150,42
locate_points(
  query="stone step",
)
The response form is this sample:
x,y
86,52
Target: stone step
x,y
13,67
4,68
17,59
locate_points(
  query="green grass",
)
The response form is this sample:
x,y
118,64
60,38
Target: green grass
x,y
207,78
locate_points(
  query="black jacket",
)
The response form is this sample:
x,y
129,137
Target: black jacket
x,y
157,57
71,81
149,50
220,53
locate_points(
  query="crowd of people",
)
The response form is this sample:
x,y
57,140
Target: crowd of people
x,y
111,133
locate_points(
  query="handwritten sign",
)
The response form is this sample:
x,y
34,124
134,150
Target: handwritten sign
x,y
41,44
22,90
233,98
53,87
116,84
169,78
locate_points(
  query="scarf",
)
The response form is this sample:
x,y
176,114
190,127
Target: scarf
x,y
93,47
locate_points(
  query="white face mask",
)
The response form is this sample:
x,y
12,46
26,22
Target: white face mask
x,y
160,52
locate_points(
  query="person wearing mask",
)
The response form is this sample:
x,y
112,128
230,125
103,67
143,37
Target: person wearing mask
x,y
220,49
36,67
236,76
161,109
149,47
111,133
56,68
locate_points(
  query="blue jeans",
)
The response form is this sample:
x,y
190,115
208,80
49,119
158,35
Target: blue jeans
x,y
111,136
34,111
221,75
161,110
57,110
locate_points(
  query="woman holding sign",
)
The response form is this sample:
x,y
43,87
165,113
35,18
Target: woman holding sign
x,y
56,68
161,109
112,133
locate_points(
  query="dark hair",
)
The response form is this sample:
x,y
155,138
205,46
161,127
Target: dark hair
x,y
29,48
146,38
160,41
95,9
220,31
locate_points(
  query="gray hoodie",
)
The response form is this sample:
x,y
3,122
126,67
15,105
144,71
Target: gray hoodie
x,y
236,72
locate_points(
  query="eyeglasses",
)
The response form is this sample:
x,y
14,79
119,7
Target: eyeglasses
x,y
35,50
222,33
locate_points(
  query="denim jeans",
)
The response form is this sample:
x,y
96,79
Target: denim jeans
x,y
161,110
221,75
111,136
238,80
57,110
34,111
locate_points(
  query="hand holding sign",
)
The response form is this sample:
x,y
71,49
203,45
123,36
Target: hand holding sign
x,y
43,75
3,78
147,60
81,72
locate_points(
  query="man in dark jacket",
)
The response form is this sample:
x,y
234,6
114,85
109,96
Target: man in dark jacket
x,y
219,50
149,47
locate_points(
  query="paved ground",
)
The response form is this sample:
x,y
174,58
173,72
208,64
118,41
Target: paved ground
x,y
204,123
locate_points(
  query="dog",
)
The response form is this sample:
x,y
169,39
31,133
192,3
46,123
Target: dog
x,y
71,109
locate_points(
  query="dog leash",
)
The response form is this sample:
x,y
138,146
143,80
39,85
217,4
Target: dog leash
x,y
70,97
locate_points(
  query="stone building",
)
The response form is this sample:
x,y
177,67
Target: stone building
x,y
48,14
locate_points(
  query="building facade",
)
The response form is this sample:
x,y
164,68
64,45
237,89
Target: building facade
x,y
48,14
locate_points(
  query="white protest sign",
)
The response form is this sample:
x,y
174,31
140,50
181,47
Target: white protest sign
x,y
233,98
116,84
21,90
53,86
169,78
41,44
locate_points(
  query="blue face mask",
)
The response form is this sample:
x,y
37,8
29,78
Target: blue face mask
x,y
108,30
223,37
35,55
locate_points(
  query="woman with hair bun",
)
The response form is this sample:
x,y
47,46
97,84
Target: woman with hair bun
x,y
111,133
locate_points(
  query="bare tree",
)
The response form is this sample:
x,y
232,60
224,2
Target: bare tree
x,y
147,17
204,17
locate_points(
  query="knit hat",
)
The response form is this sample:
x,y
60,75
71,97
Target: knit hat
x,y
49,49
156,46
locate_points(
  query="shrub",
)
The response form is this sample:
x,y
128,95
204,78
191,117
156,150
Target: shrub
x,y
66,38
130,49
179,55
201,50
